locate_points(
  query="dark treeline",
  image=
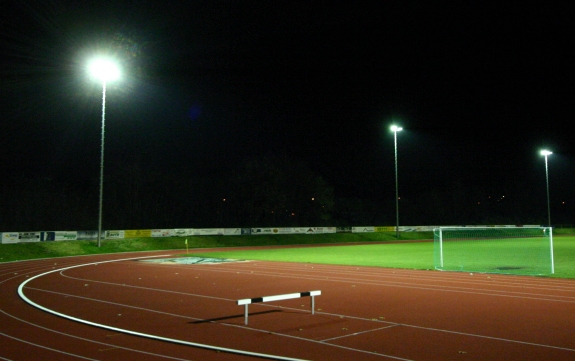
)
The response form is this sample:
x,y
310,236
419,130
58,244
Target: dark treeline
x,y
259,192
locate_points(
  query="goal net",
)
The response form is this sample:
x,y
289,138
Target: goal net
x,y
509,250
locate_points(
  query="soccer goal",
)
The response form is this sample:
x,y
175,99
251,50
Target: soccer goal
x,y
509,250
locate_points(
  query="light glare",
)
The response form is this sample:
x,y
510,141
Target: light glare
x,y
395,128
546,152
104,70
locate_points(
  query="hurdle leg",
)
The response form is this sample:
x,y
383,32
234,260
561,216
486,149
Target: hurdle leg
x,y
246,314
312,305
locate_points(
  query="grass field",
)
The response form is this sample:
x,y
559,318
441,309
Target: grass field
x,y
415,255
367,249
404,255
523,256
23,251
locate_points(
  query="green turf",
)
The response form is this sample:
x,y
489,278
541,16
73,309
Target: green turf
x,y
23,251
380,250
414,255
521,256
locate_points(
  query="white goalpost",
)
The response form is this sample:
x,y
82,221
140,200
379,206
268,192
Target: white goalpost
x,y
526,250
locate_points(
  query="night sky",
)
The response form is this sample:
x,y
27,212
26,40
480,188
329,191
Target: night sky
x,y
479,88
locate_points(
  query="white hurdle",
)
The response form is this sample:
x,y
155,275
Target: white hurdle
x,y
247,301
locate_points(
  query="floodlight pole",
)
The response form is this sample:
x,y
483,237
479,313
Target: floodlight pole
x,y
104,70
102,164
396,129
545,153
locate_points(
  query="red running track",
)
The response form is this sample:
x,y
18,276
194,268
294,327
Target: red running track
x,y
109,311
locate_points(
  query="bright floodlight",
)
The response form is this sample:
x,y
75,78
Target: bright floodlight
x,y
546,152
395,128
104,69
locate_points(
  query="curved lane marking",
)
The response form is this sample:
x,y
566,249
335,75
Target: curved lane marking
x,y
134,333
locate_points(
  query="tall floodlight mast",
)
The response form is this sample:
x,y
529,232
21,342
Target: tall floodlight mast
x,y
103,70
546,153
395,129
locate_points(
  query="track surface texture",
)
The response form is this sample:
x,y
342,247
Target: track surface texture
x,y
115,307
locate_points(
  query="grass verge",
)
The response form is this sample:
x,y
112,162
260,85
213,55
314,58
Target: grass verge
x,y
36,250
363,249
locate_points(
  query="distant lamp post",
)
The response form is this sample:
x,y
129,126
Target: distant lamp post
x,y
103,70
546,153
395,129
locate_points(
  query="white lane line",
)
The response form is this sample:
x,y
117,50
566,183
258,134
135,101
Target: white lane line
x,y
491,338
119,304
407,325
426,275
358,333
45,347
139,334
141,288
456,332
88,340
401,285
227,324
365,319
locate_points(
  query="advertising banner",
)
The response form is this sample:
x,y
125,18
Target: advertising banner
x,y
182,232
313,230
64,236
208,232
138,233
29,236
10,237
283,230
384,229
246,231
232,232
343,230
114,234
367,229
424,228
260,231
407,229
162,232
87,235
